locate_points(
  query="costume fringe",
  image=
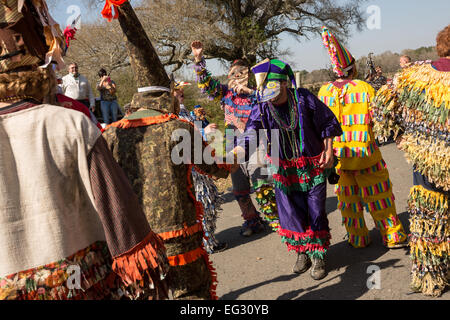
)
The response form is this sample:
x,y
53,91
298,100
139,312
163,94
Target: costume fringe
x,y
429,240
142,265
49,282
430,157
200,213
358,241
314,243
418,104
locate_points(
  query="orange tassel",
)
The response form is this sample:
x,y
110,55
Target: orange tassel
x,y
131,265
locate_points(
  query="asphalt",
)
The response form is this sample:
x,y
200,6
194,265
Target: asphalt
x,y
260,267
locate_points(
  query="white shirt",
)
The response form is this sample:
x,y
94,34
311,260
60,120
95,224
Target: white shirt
x,y
78,89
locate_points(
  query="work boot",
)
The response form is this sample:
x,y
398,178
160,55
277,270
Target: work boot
x,y
302,264
318,269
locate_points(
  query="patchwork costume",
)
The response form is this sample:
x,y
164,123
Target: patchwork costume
x,y
417,105
237,109
142,145
300,185
71,226
364,179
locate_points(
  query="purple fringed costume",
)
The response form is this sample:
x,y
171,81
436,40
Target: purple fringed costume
x,y
300,183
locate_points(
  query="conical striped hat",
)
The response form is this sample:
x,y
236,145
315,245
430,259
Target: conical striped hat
x,y
341,58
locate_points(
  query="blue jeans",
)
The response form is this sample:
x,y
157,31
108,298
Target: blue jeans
x,y
109,108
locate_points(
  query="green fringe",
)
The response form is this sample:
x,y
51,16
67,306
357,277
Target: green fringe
x,y
416,100
302,187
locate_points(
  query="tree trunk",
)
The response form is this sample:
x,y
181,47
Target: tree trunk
x,y
147,67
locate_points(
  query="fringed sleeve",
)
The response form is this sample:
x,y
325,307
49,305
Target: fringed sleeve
x,y
138,253
207,84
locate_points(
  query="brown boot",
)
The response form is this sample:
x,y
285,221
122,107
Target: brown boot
x,y
318,269
302,264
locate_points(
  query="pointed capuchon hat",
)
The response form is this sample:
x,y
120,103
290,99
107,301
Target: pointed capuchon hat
x,y
29,36
341,58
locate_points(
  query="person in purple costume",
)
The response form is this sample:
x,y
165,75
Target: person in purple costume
x,y
305,129
237,100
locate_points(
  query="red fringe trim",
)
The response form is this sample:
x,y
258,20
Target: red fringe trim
x,y
132,264
302,235
186,231
199,213
307,247
298,163
126,123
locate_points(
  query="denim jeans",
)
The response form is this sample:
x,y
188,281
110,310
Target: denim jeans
x,y
109,110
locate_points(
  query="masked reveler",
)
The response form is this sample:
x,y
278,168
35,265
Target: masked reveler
x,y
237,101
71,226
416,107
206,191
302,161
157,151
364,178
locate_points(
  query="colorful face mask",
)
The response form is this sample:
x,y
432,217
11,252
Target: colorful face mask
x,y
238,75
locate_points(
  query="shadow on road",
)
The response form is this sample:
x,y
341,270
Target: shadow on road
x,y
233,295
234,239
228,197
353,281
331,204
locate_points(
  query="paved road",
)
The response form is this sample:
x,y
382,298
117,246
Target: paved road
x,y
260,267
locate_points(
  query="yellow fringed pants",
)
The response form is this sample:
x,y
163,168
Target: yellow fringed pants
x,y
429,240
370,189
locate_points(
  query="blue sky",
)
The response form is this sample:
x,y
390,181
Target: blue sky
x,y
404,24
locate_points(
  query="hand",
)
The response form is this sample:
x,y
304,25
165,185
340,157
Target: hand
x,y
326,159
210,128
197,50
93,109
240,125
240,89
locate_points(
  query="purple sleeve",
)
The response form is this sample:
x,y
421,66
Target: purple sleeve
x,y
324,119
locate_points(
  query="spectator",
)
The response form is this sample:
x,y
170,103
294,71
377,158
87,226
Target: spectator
x,y
59,83
77,87
405,61
378,80
108,99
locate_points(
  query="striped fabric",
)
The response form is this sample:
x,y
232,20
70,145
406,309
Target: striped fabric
x,y
355,207
376,189
360,152
357,136
356,223
348,120
328,101
341,58
356,97
359,241
389,222
380,204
